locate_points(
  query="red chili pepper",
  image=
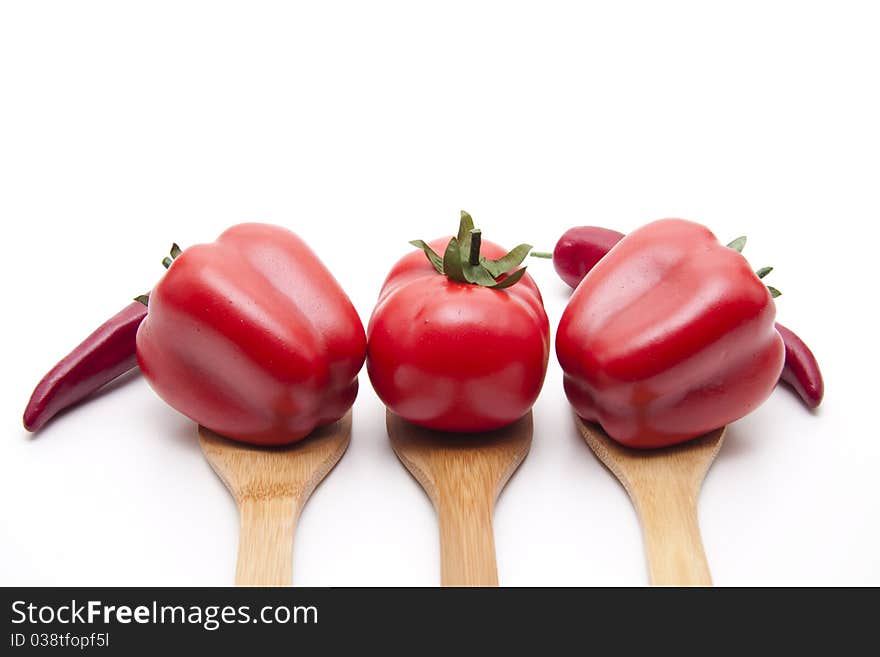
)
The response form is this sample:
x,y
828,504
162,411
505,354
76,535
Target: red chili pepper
x,y
459,343
252,337
579,249
801,369
670,336
106,354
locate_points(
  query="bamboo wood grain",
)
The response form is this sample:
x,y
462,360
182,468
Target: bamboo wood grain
x,y
463,474
664,485
271,485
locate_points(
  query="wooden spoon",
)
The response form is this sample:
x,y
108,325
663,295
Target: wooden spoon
x,y
271,486
463,474
663,485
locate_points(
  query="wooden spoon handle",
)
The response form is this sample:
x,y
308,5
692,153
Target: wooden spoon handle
x,y
265,544
672,538
467,541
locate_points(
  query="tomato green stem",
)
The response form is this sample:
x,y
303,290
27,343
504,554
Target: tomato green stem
x,y
476,239
541,254
462,262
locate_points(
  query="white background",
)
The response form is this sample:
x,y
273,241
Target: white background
x,y
363,125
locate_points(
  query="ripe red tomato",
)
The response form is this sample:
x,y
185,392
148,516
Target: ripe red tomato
x,y
453,355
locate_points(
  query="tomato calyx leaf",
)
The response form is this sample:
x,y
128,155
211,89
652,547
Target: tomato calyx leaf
x,y
452,265
509,280
507,262
433,258
462,262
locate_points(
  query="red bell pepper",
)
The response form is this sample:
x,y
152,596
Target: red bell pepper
x,y
459,343
252,337
671,335
580,248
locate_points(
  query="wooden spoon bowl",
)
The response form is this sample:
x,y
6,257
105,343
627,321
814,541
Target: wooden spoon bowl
x,y
463,474
271,485
664,485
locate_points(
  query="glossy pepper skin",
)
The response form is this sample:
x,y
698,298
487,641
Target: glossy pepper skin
x,y
252,337
107,353
801,369
671,335
453,356
579,249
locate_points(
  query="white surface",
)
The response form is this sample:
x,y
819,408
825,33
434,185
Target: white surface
x,y
364,125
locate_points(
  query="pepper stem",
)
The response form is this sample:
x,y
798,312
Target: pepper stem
x,y
476,239
175,251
